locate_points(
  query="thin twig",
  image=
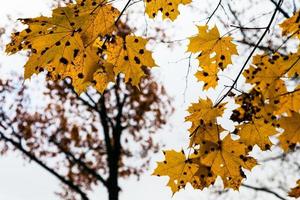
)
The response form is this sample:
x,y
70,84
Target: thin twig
x,y
215,10
264,189
252,52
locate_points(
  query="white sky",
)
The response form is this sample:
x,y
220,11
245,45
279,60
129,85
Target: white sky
x,y
22,181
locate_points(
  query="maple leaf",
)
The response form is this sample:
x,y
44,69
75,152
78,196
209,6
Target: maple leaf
x,y
257,132
226,158
103,76
53,42
209,75
291,135
209,44
266,73
61,44
168,8
291,25
96,18
295,192
179,169
129,56
204,112
292,60
204,132
289,101
82,71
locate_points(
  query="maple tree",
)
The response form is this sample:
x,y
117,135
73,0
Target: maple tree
x,y
80,143
84,41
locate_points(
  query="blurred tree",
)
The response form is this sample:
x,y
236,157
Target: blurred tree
x,y
84,140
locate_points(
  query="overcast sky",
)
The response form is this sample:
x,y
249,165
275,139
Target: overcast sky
x,y
22,181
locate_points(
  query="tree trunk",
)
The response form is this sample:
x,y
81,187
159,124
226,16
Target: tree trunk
x,y
113,185
113,191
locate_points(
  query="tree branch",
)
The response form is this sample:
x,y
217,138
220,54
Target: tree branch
x,y
80,163
252,52
263,189
285,14
69,183
215,10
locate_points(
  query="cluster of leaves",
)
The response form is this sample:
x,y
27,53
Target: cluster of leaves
x,y
82,41
268,108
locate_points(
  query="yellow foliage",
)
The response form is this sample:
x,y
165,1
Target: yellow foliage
x,y
291,135
209,75
130,57
256,132
179,169
226,158
64,46
204,112
291,26
168,8
209,43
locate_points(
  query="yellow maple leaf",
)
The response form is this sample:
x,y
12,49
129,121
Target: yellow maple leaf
x,y
53,42
295,192
168,8
292,60
291,25
179,169
129,56
291,135
103,76
61,44
266,73
226,158
204,132
204,112
209,44
289,102
209,75
257,132
95,17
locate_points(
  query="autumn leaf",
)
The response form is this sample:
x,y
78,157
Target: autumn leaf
x,y
227,158
204,112
62,44
266,73
168,8
130,57
295,192
204,132
212,47
95,18
178,168
53,43
257,132
209,75
291,135
291,25
289,101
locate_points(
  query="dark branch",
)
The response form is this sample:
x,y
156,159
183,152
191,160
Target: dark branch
x,y
285,14
215,10
264,189
69,183
80,163
252,52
